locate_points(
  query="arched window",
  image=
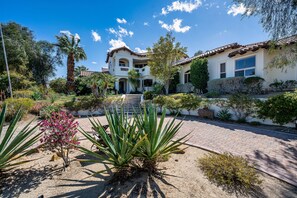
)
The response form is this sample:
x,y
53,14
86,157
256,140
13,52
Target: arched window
x,y
187,77
123,63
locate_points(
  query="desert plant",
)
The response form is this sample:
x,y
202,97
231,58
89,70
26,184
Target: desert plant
x,y
281,109
14,104
59,134
233,173
158,141
224,115
120,146
15,144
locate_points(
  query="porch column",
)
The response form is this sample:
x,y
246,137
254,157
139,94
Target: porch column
x,y
116,85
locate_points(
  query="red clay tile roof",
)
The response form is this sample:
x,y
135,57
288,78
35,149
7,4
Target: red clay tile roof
x,y
209,53
109,54
265,44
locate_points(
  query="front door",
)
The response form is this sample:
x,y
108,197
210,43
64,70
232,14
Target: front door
x,y
122,87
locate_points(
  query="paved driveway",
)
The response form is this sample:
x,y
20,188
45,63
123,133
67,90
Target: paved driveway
x,y
272,152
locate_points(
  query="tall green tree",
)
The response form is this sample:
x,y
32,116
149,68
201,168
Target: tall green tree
x,y
198,52
69,45
36,60
162,57
44,61
79,69
133,77
199,74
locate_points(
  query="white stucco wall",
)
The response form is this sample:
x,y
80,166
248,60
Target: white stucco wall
x,y
263,58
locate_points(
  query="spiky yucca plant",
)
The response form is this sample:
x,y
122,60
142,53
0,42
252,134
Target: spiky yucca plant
x,y
15,144
159,137
119,144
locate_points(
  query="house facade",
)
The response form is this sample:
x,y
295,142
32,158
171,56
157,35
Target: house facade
x,y
120,61
235,60
230,60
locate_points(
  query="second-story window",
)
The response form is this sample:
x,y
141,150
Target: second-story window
x,y
122,64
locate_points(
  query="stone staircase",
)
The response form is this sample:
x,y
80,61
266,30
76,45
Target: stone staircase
x,y
130,104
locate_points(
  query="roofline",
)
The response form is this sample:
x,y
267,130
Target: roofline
x,y
124,48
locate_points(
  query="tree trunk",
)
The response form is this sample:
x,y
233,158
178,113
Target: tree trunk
x,y
167,88
95,91
70,72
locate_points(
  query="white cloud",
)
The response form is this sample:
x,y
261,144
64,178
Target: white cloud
x,y
96,36
122,21
137,49
176,26
239,9
117,43
183,6
121,32
146,24
94,63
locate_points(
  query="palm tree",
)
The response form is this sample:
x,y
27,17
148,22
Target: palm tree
x,y
69,45
102,82
134,78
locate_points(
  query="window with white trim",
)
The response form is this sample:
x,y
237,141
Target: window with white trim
x,y
188,76
223,70
245,66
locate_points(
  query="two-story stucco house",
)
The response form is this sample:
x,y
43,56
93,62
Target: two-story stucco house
x,y
230,60
234,60
120,61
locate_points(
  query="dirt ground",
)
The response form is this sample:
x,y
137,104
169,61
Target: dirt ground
x,y
180,178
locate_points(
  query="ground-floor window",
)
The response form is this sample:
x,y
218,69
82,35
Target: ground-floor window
x,y
245,66
223,70
188,77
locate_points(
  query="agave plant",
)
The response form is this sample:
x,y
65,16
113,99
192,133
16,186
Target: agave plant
x,y
119,144
15,144
158,142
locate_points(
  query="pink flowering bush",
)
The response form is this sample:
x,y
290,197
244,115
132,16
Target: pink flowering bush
x,y
59,134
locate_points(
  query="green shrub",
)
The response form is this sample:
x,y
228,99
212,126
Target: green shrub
x,y
190,102
158,88
242,105
199,74
233,173
160,101
212,94
58,85
281,109
23,94
283,85
18,81
224,115
38,106
148,95
229,85
84,103
14,104
254,85
47,111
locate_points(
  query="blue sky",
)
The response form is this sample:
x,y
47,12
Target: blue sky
x,y
197,24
